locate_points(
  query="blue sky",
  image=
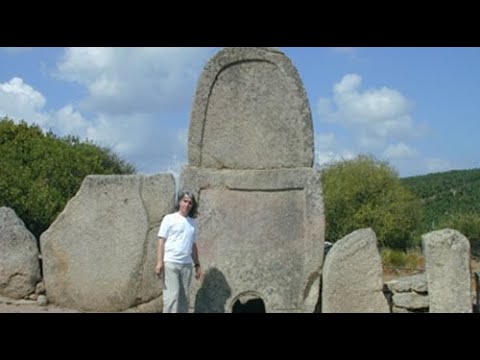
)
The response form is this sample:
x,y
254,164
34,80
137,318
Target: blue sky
x,y
418,108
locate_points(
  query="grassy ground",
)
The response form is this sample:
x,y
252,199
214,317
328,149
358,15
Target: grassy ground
x,y
398,263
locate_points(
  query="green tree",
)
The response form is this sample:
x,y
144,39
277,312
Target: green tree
x,y
446,195
40,172
365,192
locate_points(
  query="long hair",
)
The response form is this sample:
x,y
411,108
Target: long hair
x,y
193,210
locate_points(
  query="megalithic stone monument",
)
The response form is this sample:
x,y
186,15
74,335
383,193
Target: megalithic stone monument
x,y
250,157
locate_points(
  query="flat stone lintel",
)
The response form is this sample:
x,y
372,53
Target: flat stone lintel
x,y
259,180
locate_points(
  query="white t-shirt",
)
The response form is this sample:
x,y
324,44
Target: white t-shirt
x,y
180,234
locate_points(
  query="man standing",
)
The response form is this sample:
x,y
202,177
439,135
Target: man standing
x,y
176,250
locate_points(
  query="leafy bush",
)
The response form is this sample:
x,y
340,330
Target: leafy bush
x,y
41,172
365,192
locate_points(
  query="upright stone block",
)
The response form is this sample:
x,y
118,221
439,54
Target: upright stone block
x,y
100,252
261,218
447,264
19,263
353,276
250,112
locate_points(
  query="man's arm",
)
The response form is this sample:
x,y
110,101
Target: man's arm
x,y
196,261
160,253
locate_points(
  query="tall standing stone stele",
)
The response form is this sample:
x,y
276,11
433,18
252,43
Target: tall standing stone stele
x,y
250,157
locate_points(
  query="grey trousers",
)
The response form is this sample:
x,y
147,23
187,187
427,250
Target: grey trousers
x,y
176,285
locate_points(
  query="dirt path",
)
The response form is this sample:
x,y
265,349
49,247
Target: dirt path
x,y
29,306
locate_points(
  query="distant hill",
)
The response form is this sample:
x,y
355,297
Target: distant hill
x,y
446,194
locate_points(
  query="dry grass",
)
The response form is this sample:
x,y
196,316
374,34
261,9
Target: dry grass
x,y
397,263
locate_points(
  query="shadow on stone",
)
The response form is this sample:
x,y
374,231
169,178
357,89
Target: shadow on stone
x,y
213,294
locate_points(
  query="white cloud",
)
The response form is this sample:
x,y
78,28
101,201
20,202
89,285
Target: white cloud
x,y
20,101
375,121
124,134
24,93
68,121
327,157
380,112
399,151
142,140
328,150
384,111
83,65
372,118
134,80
